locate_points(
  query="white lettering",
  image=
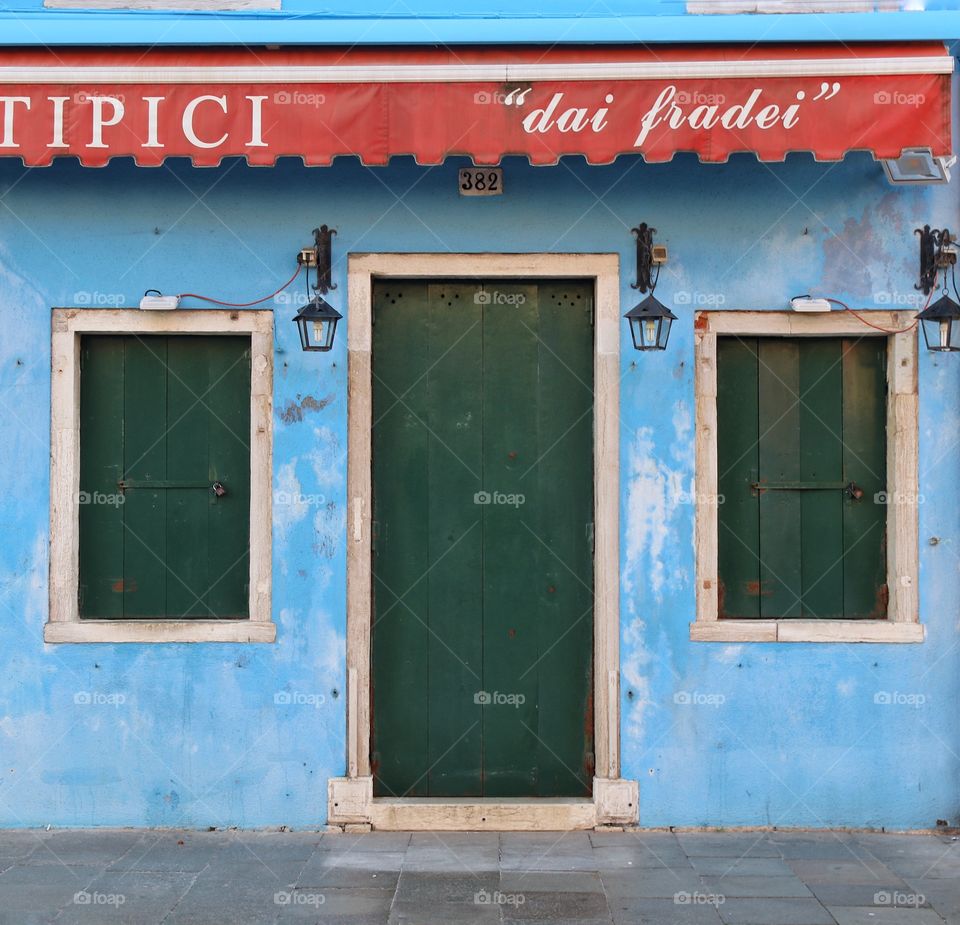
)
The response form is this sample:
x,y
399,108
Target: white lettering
x,y
742,112
540,120
599,120
99,122
768,117
653,116
256,122
8,103
188,113
153,111
58,102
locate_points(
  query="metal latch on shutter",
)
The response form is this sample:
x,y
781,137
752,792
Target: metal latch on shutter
x,y
159,484
852,489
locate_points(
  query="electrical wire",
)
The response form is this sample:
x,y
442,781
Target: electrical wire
x,y
206,298
878,327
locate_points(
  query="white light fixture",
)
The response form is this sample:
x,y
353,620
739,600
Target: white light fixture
x,y
155,302
918,165
805,303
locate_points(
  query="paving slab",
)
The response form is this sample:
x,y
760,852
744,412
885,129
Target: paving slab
x,y
37,892
866,870
546,881
450,859
871,915
411,913
654,884
370,841
818,846
634,911
741,867
455,889
312,905
790,887
558,908
774,912
638,855
753,845
87,848
179,852
126,898
20,844
866,894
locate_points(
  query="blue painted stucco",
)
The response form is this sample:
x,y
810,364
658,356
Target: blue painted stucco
x,y
470,22
192,734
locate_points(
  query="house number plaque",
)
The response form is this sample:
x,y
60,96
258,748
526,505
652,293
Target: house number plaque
x,y
480,181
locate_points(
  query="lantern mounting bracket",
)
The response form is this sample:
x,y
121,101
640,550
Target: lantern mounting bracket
x,y
937,252
649,255
319,256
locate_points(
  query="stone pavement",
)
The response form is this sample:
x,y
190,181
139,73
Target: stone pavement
x,y
587,878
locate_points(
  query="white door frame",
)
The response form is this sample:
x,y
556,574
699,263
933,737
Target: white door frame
x,y
350,798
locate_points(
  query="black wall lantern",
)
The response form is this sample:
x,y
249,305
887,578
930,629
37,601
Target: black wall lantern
x,y
650,320
317,320
941,325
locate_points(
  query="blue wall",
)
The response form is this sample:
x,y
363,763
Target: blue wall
x,y
195,736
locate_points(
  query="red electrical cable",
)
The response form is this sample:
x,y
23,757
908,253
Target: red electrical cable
x,y
206,298
878,327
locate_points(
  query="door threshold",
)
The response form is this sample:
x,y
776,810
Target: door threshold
x,y
350,801
481,814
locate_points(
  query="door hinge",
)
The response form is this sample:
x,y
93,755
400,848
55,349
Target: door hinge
x,y
591,537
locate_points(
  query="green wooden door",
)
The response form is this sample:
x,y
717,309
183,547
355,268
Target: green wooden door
x,y
802,473
161,420
483,538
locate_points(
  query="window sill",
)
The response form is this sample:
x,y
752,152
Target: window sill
x,y
806,631
161,631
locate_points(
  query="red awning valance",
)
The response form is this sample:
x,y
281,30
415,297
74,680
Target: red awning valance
x,y
485,103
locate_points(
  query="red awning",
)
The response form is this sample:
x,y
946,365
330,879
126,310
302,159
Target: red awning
x,y
487,103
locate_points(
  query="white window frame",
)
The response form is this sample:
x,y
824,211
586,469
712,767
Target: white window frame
x,y
903,620
68,325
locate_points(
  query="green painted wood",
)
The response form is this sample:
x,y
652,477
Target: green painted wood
x,y
778,376
401,548
486,690
820,425
512,582
563,523
864,462
145,458
821,460
228,461
738,467
455,543
101,449
153,415
188,452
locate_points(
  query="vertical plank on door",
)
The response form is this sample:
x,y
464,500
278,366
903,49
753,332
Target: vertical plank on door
x,y
821,460
228,518
780,511
738,466
454,376
563,531
145,459
511,556
864,462
101,460
401,563
188,453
